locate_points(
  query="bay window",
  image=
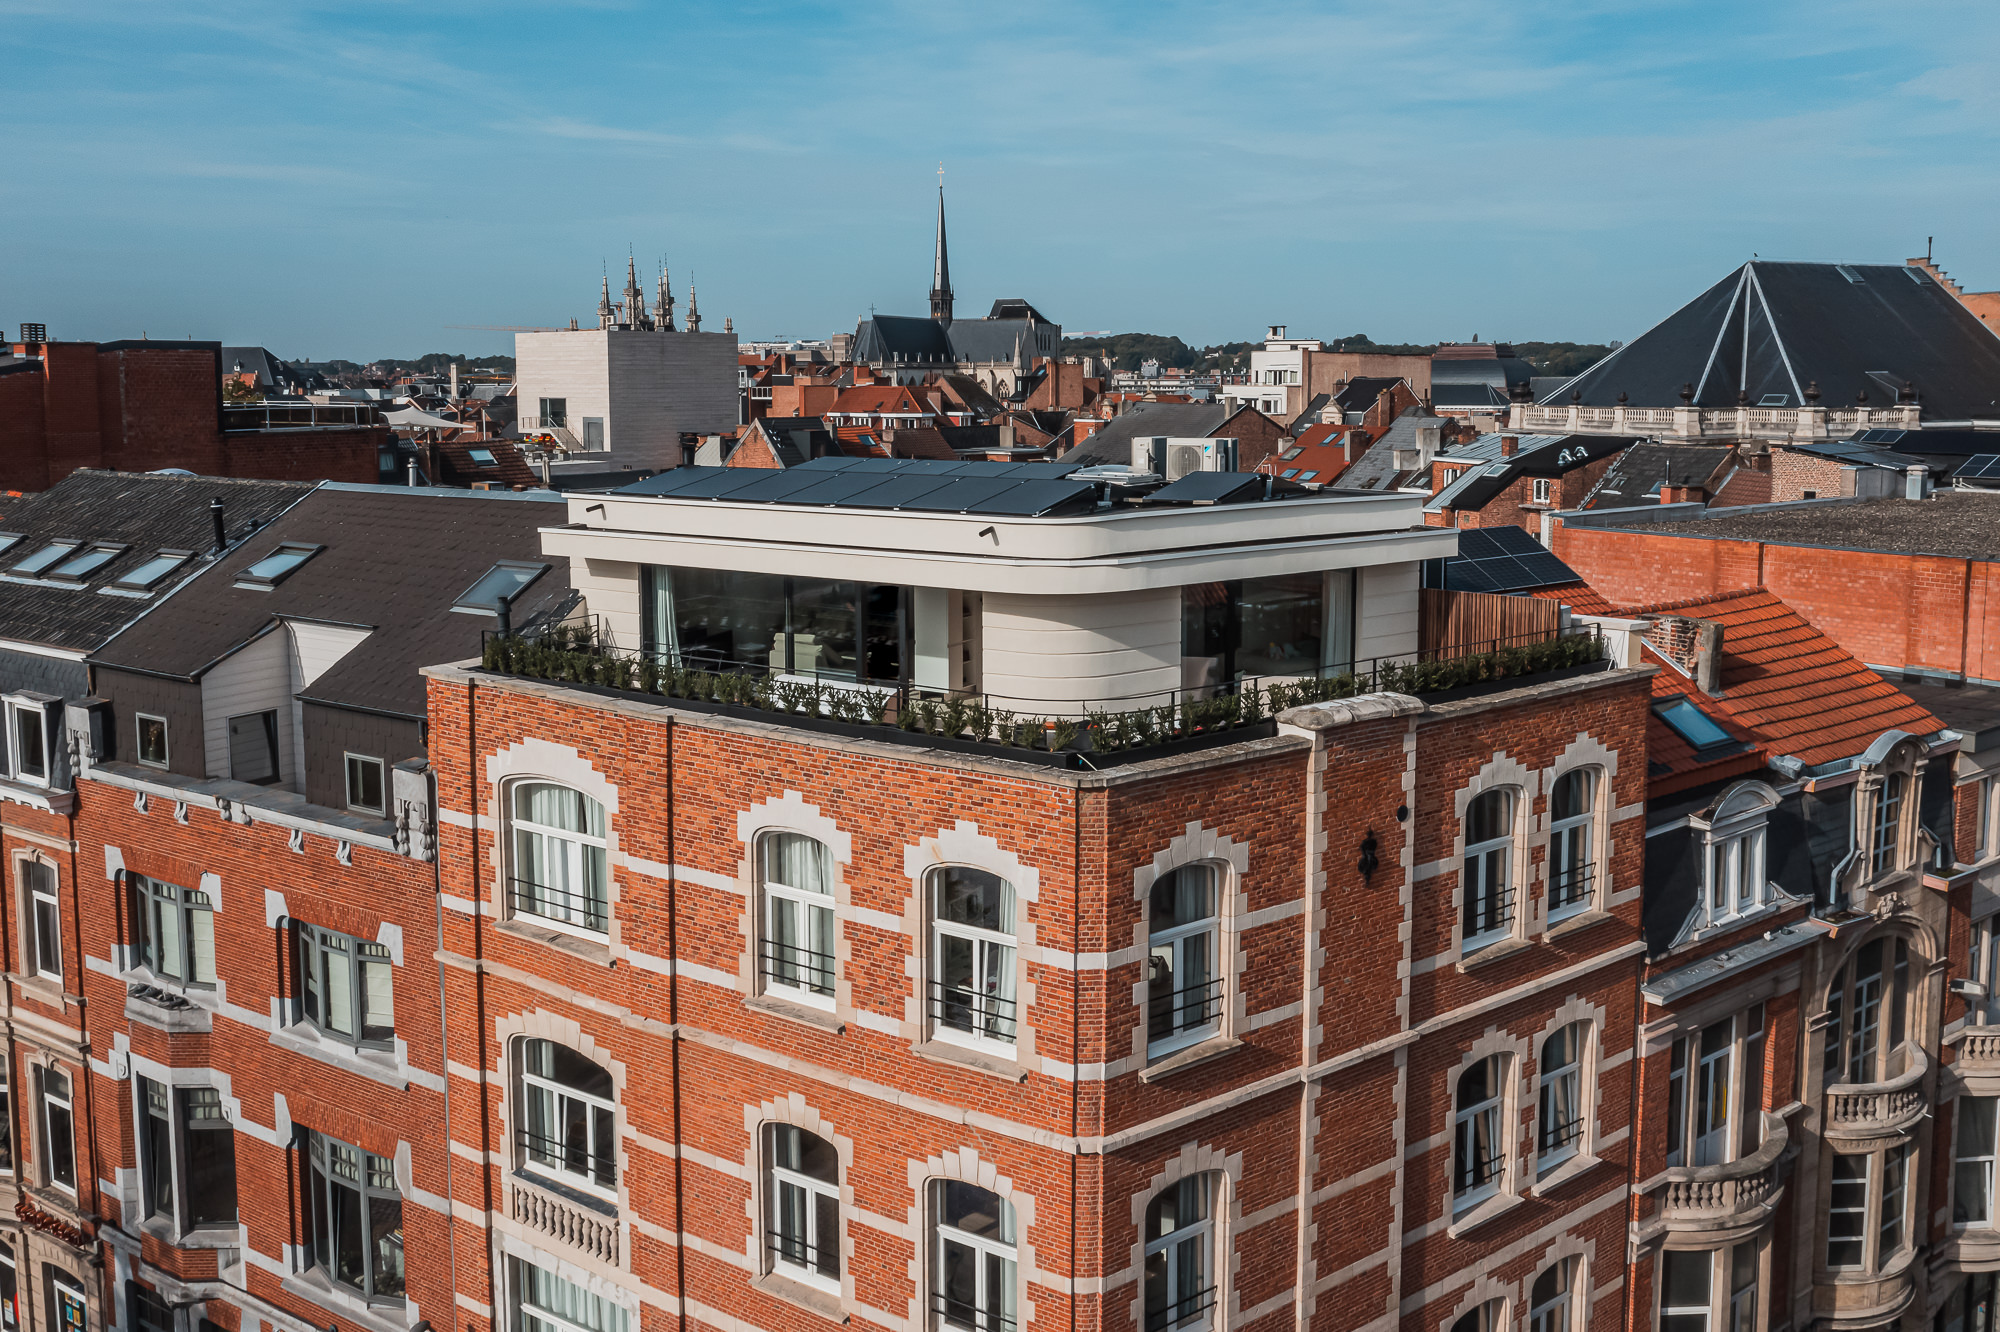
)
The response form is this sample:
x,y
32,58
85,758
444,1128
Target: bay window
x,y
1183,965
1847,1211
1715,1091
187,1155
354,1215
973,945
797,958
1868,1014
174,929
1686,1278
559,874
346,987
1978,1146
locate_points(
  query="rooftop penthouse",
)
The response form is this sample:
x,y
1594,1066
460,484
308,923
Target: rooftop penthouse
x,y
1046,607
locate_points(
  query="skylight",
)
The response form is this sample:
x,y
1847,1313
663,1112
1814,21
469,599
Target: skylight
x,y
503,582
1848,273
86,562
276,567
46,556
9,540
145,575
484,457
1693,725
1772,400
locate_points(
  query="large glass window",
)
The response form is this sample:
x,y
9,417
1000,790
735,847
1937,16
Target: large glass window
x,y
717,619
1183,975
42,938
559,871
1487,889
544,1302
1715,1091
1868,1014
355,1214
797,947
802,1185
972,954
1571,877
1887,845
27,730
972,1286
1890,1228
1978,1136
346,986
1491,1316
156,1148
1479,1140
58,1125
175,929
187,1155
1551,1304
1560,1121
1736,874
253,748
1686,1278
1295,624
567,1116
1847,1212
1743,1267
1180,1256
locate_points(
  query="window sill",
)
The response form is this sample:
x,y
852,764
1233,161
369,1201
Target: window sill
x,y
376,1315
42,989
590,950
793,1011
961,1056
1199,1053
202,1237
376,1065
37,797
567,1192
1498,1205
1577,923
1581,1163
166,1011
805,1295
1492,952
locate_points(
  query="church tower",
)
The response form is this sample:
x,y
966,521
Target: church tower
x,y
941,266
634,306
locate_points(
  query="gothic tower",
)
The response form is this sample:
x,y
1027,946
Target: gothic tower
x,y
941,266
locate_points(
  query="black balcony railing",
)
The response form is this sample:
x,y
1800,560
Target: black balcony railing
x,y
1074,733
1186,1009
800,968
587,911
971,1011
1488,912
1560,1133
798,1251
965,1314
1569,885
1190,1310
568,1158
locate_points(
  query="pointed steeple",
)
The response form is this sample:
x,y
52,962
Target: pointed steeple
x,y
635,305
694,311
604,304
663,309
941,265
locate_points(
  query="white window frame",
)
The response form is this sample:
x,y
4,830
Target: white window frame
x,y
1542,488
1735,876
1696,1081
35,901
347,761
1557,1314
1980,1162
537,1318
779,1178
605,1150
1886,822
576,863
46,1103
1179,943
996,955
1864,1240
989,1315
1569,832
1504,911
139,721
1988,816
815,974
10,1147
1550,1083
37,713
1465,1134
1190,1242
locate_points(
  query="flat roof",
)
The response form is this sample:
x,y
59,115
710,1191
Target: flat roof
x,y
1952,524
1973,709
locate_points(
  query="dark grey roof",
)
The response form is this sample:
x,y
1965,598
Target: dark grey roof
x,y
1013,307
1497,372
1467,394
143,512
888,338
394,560
1849,328
1503,559
270,371
1639,473
1360,392
1973,709
885,339
993,340
1853,451
1953,524
1549,388
1375,469
1933,441
1535,455
796,439
1179,420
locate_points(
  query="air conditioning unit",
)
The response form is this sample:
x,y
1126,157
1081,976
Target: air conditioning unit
x,y
1199,455
1149,454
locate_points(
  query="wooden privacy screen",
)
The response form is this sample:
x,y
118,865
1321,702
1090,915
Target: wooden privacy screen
x,y
1451,624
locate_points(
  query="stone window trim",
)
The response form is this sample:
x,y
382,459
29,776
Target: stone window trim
x,y
1586,753
32,1156
510,1033
1516,1052
1484,1287
175,1079
512,1245
964,844
794,1110
1563,1247
1895,754
1196,1159
967,1166
536,759
26,957
1230,859
1927,961
789,812
1500,773
1590,1059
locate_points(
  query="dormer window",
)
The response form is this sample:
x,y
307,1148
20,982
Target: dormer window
x,y
1889,823
1736,881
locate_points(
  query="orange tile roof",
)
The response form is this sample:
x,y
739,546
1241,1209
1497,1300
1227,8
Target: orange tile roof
x,y
1317,455
1579,597
1787,685
891,398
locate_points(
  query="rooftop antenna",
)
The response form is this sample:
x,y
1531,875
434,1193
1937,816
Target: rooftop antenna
x,y
1927,248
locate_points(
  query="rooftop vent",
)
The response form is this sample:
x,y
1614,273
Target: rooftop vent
x,y
34,332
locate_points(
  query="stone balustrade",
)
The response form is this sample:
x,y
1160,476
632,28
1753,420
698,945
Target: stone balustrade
x,y
1869,1110
570,1223
1728,1196
1772,423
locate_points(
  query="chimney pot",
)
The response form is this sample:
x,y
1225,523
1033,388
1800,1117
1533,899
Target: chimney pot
x,y
215,518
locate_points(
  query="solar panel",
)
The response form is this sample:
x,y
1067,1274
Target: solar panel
x,y
1511,540
1980,467
1033,499
796,487
902,492
1467,576
1210,488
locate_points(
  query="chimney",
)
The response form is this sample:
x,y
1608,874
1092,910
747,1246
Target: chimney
x,y
1347,447
1509,445
1695,646
215,518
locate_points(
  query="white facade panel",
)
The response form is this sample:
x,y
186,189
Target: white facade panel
x,y
1030,658
1386,620
258,678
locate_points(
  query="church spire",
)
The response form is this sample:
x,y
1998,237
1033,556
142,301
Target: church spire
x,y
604,304
694,311
941,264
663,309
635,305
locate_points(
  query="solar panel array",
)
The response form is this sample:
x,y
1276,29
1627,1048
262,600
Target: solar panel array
x,y
1983,467
1503,559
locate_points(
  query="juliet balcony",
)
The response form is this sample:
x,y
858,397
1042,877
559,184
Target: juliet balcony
x,y
584,1230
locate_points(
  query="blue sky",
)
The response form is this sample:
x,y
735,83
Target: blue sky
x,y
352,179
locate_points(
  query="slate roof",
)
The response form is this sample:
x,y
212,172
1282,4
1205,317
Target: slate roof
x,y
900,338
989,340
921,442
1179,420
794,439
1787,685
1848,328
145,513
1637,475
1362,391
1376,469
395,560
1535,455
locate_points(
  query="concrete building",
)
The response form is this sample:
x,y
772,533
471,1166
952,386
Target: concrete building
x,y
621,395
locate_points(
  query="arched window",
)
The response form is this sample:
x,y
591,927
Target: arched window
x,y
802,1183
1180,1256
1183,966
1572,876
1488,887
567,1117
1550,1303
1488,1317
1887,853
796,952
972,955
973,1282
558,875
1479,1140
1560,1123
1868,1014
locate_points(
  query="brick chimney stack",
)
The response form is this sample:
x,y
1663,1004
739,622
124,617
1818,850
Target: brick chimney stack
x,y
1693,645
1509,445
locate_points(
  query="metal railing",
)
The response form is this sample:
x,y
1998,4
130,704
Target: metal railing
x,y
1482,1169
1560,1133
1185,1009
800,968
973,1012
1189,1310
797,1251
287,416
525,897
568,1157
1489,913
953,1312
1569,885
